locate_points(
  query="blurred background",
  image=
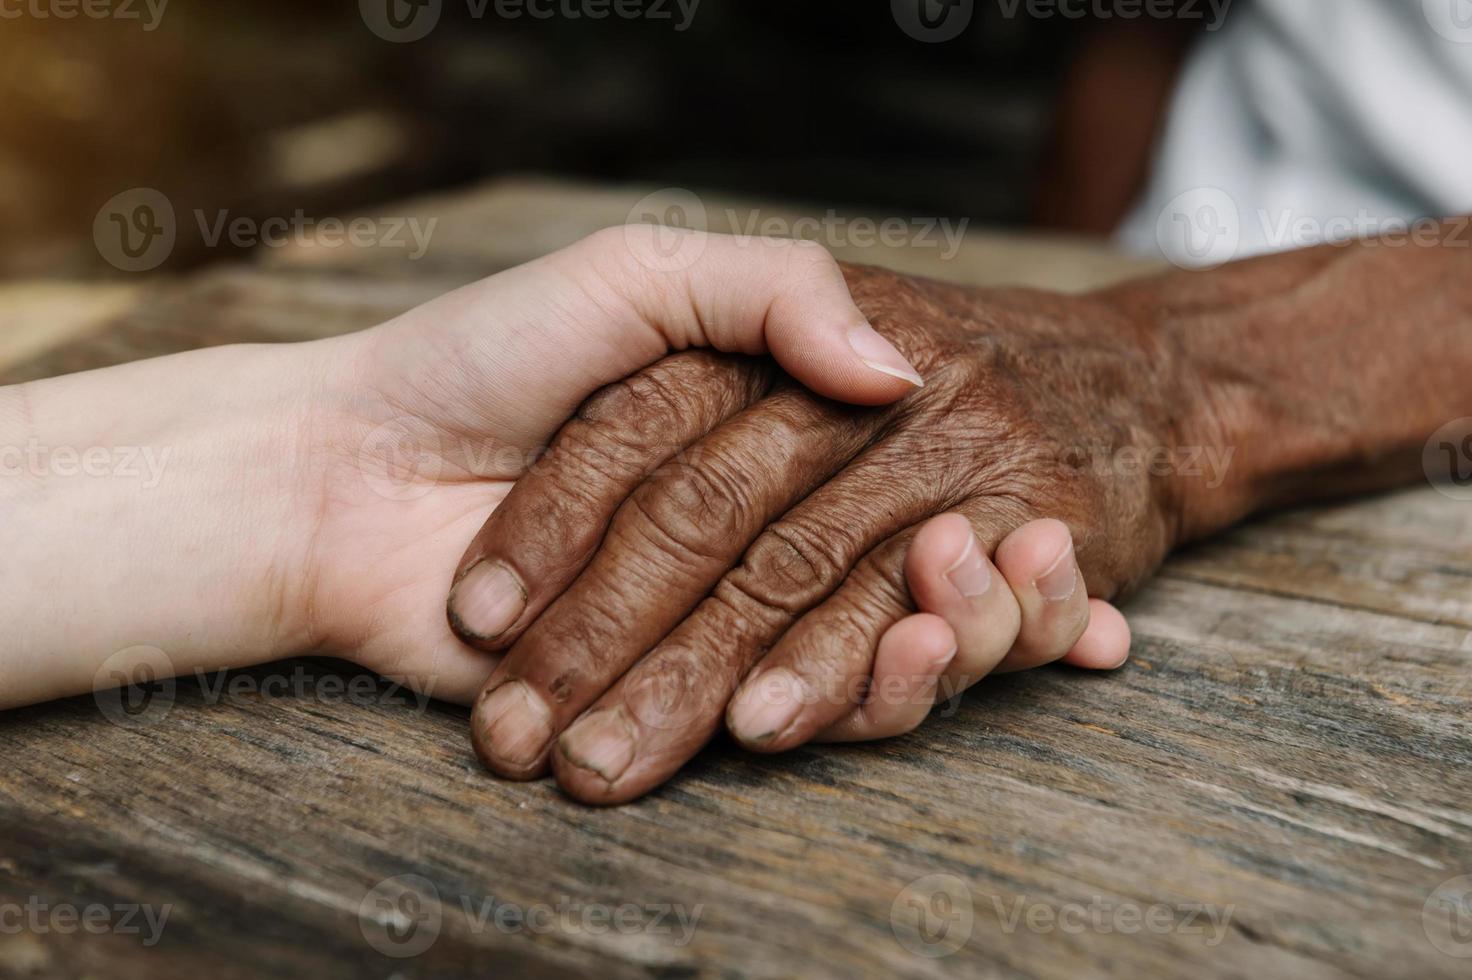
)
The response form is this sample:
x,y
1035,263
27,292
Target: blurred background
x,y
261,108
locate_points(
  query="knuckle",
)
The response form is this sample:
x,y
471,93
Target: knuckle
x,y
623,431
836,658
662,408
639,400
696,507
546,526
786,569
587,457
880,580
852,627
746,604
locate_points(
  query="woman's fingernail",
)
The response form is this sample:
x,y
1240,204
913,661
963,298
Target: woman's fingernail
x,y
1061,578
766,707
969,574
601,743
942,662
486,600
881,355
516,724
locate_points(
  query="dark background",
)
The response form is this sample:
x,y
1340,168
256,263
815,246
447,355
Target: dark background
x,y
263,107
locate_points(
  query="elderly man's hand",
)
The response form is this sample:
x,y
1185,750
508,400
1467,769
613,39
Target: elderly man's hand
x,y
656,560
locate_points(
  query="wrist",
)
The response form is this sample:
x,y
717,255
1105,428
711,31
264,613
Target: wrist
x,y
1282,368
1211,456
1219,437
152,504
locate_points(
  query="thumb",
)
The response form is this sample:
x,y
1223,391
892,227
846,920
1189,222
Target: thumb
x,y
515,354
753,296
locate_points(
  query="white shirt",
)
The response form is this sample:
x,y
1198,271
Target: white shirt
x,y
1303,121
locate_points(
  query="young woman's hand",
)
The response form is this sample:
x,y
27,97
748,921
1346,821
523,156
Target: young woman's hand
x,y
242,504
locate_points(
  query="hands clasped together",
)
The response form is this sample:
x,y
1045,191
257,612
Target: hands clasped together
x,y
712,539
869,492
814,544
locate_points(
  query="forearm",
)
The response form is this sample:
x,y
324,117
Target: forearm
x,y
148,505
1323,372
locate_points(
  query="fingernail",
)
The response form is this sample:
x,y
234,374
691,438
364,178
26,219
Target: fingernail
x,y
1061,578
487,600
516,724
765,708
602,743
881,355
969,574
944,661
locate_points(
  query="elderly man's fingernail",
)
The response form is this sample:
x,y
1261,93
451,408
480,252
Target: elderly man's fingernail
x,y
602,742
515,724
486,600
969,574
881,355
765,707
1061,579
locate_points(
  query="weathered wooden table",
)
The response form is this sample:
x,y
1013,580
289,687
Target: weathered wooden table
x,y
1276,786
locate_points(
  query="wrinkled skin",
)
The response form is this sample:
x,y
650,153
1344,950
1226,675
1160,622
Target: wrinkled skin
x,y
707,517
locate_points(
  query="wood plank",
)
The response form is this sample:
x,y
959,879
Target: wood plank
x,y
510,221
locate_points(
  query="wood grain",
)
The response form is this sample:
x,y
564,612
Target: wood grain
x,y
1287,750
